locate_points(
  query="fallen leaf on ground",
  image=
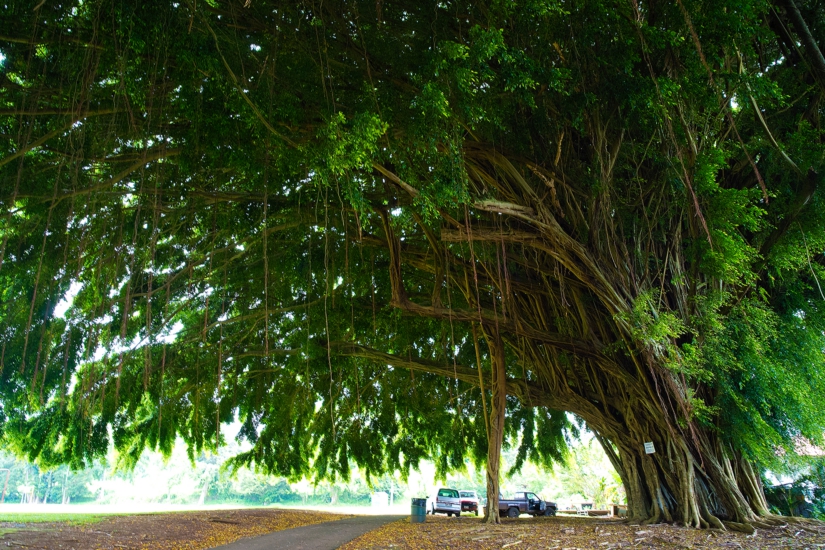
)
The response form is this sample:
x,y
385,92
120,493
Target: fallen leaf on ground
x,y
571,533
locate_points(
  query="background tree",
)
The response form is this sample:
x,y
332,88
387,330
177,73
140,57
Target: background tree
x,y
378,232
587,474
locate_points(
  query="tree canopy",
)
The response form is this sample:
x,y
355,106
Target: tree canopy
x,y
369,229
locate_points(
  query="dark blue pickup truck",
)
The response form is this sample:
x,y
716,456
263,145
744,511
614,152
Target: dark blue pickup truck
x,y
526,503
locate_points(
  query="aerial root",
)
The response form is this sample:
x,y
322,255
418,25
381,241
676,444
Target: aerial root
x,y
765,524
740,527
715,523
801,521
768,522
774,520
712,521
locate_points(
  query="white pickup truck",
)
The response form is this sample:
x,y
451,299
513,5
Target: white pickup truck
x,y
445,501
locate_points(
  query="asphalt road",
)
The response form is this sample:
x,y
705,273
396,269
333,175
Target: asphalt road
x,y
320,536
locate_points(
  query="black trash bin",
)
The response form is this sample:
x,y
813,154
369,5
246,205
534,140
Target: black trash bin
x,y
418,510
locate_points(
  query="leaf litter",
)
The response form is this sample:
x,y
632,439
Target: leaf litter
x,y
198,530
574,533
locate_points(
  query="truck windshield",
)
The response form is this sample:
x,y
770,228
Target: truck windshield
x,y
468,494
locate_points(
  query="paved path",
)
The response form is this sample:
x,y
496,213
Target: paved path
x,y
320,536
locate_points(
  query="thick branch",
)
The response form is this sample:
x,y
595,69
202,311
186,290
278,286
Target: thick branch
x,y
563,249
412,191
54,133
578,347
802,198
520,388
43,112
61,39
814,54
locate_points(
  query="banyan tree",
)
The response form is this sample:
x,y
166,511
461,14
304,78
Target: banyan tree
x,y
381,231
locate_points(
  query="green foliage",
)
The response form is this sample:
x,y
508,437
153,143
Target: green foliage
x,y
805,495
588,473
545,436
649,325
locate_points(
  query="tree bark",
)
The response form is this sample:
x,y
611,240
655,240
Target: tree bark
x,y
812,51
691,478
496,436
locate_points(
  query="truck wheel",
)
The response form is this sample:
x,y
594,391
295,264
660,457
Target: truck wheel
x,y
458,514
476,512
549,512
512,512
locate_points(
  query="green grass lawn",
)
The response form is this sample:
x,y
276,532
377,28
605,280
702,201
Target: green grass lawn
x,y
44,517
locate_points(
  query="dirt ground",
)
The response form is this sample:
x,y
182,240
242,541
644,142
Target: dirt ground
x,y
207,529
572,533
168,531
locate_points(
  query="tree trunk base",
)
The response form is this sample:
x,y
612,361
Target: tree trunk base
x,y
766,522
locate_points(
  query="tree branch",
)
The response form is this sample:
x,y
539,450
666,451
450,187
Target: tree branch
x,y
814,54
528,393
61,39
802,198
43,112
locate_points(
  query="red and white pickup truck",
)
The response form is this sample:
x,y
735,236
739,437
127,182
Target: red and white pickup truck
x,y
469,501
526,503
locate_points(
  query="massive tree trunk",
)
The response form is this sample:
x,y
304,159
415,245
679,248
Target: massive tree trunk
x,y
689,479
692,477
